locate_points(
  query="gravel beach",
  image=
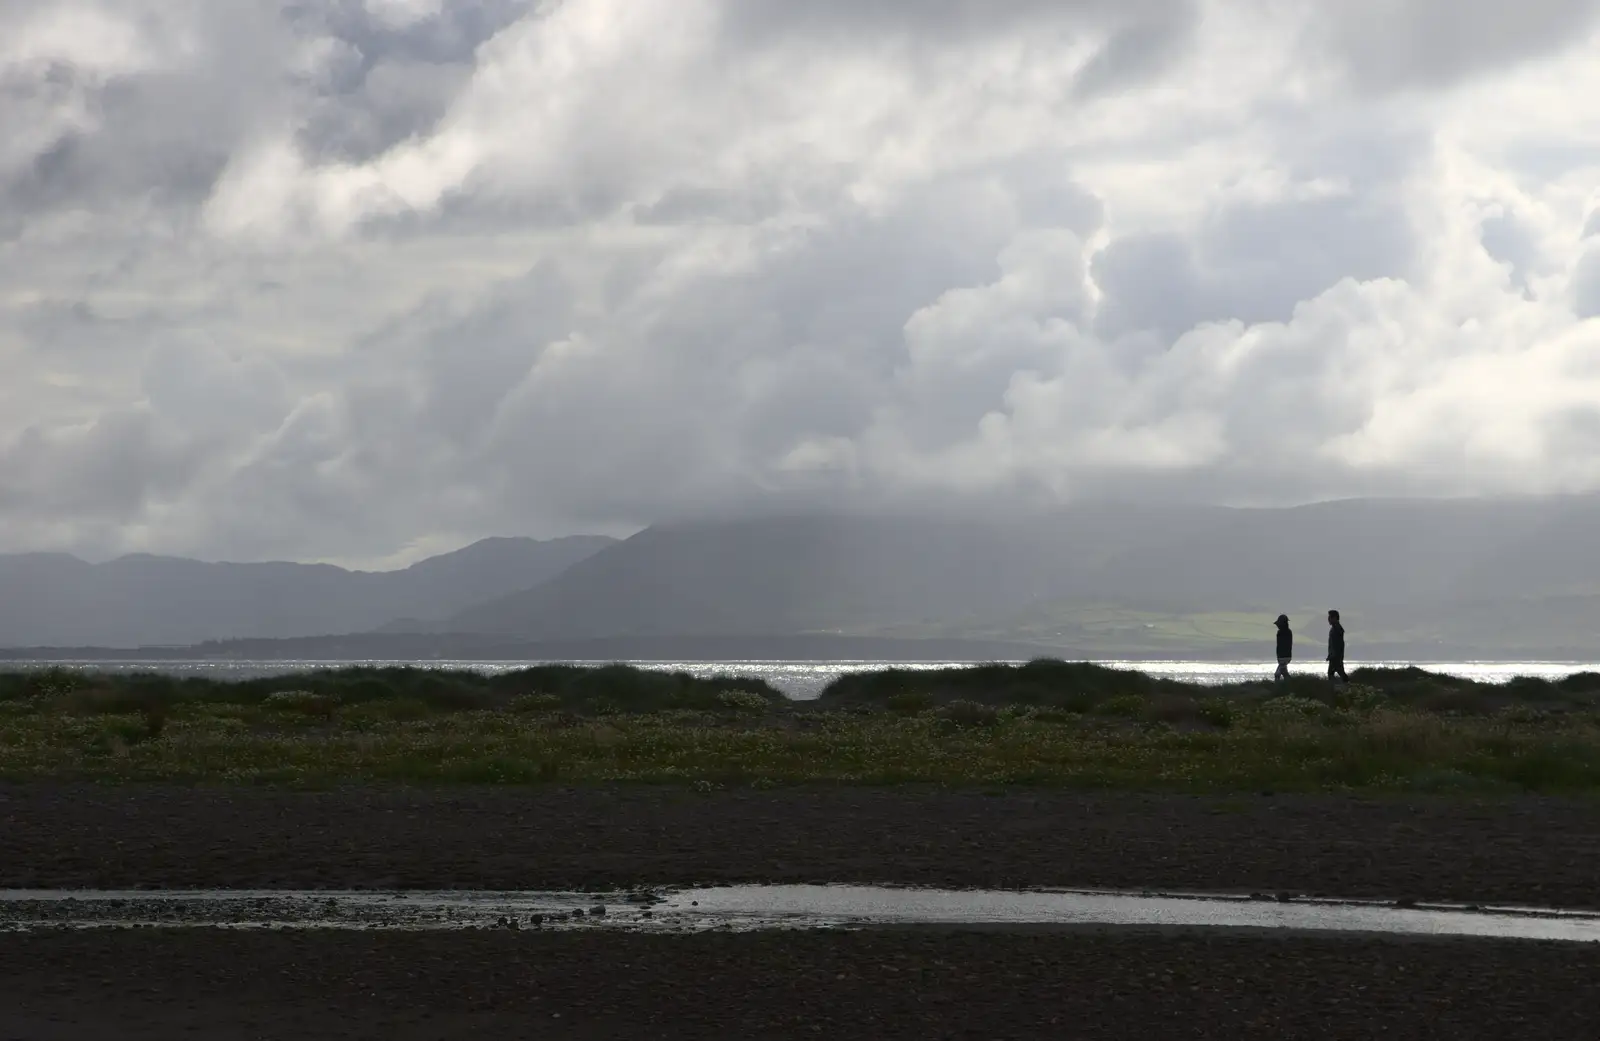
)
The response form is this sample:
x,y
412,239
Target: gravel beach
x,y
1531,851
929,983
156,986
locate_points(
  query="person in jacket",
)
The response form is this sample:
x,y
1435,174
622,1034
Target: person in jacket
x,y
1285,648
1336,648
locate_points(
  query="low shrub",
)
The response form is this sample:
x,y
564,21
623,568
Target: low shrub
x,y
155,718
1123,706
742,701
964,714
1580,683
453,693
301,702
400,710
1217,712
363,690
909,703
1358,697
42,684
1294,705
1171,708
1044,683
1524,715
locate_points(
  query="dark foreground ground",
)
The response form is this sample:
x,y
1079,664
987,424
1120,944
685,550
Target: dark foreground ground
x,y
226,986
1530,851
155,985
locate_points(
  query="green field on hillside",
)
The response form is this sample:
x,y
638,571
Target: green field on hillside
x,y
1110,630
1525,629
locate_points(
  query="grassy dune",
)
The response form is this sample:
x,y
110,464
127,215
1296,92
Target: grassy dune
x,y
1048,723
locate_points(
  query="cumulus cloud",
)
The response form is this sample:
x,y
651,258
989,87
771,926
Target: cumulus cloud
x,y
339,279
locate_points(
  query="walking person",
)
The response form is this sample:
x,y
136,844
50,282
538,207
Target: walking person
x,y
1285,648
1336,648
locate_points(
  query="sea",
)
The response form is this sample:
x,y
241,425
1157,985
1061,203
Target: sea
x,y
805,680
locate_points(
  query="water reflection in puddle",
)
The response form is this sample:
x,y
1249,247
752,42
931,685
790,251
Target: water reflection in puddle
x,y
747,908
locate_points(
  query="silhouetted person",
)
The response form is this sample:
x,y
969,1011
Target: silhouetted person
x,y
1285,648
1336,648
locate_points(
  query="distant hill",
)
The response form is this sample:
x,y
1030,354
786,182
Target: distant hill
x,y
792,574
469,648
59,600
1490,578
1501,576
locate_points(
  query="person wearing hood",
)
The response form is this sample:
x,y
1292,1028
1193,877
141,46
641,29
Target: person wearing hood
x,y
1285,648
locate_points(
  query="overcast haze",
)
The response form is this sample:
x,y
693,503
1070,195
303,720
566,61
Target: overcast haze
x,y
362,281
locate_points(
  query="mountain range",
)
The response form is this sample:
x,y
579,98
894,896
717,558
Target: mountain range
x,y
1493,577
1486,578
55,600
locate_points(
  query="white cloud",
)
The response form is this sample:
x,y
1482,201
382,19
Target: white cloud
x,y
331,280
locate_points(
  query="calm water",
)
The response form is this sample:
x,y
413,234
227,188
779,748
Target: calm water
x,y
807,679
751,908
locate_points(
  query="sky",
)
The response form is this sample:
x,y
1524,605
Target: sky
x,y
364,280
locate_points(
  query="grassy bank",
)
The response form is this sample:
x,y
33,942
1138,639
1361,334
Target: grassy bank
x,y
1049,723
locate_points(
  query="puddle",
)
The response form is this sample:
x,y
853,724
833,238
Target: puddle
x,y
749,908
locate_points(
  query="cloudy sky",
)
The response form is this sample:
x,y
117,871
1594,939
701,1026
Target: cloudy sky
x,y
360,280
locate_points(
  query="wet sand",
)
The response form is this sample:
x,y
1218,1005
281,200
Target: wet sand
x,y
156,986
1531,851
159,984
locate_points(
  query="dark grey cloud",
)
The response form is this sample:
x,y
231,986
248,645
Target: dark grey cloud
x,y
1046,194
1509,241
1389,44
1586,285
953,20
1252,263
396,99
697,204
81,331
1575,430
122,134
1137,51
448,35
389,81
104,471
169,164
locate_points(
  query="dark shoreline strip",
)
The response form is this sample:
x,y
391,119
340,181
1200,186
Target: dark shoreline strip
x,y
884,985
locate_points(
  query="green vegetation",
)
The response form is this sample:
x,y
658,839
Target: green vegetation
x,y
1047,723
